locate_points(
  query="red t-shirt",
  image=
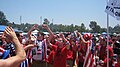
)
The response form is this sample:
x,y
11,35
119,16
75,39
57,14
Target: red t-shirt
x,y
105,63
103,52
70,55
81,53
72,52
51,57
117,64
74,49
60,56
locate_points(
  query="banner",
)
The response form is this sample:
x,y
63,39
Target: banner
x,y
113,8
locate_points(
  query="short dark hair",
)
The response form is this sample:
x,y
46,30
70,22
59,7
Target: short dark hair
x,y
17,34
38,33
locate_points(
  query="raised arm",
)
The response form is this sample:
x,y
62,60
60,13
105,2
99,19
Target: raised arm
x,y
65,41
48,41
29,46
79,34
49,30
32,29
20,53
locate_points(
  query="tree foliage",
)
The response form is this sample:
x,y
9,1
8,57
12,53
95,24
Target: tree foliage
x,y
95,28
3,20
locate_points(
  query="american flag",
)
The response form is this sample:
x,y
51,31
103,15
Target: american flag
x,y
1,51
24,63
90,56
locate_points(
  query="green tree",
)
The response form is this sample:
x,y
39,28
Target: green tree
x,y
117,29
95,28
71,28
3,20
77,28
111,30
82,27
103,30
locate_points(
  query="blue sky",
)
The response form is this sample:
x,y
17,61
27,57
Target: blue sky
x,y
61,11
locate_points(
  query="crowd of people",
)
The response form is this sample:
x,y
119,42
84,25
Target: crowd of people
x,y
68,49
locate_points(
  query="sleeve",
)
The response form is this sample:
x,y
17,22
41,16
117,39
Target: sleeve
x,y
65,51
110,52
54,47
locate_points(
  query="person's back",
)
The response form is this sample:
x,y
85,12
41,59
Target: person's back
x,y
60,57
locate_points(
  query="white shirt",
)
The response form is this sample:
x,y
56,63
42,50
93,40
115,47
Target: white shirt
x,y
38,52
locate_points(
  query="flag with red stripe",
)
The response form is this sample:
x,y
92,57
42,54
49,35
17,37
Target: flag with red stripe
x,y
1,51
90,56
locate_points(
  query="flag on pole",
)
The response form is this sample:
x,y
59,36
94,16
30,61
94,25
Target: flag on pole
x,y
90,56
113,8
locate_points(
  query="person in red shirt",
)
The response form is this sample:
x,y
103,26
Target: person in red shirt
x,y
118,61
84,45
117,64
60,51
50,59
39,53
81,53
117,53
103,52
71,53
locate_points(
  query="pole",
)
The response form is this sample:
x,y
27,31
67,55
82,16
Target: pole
x,y
40,20
21,19
107,38
52,20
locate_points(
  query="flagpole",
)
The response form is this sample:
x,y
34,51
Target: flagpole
x,y
41,20
20,19
52,20
107,1
107,38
